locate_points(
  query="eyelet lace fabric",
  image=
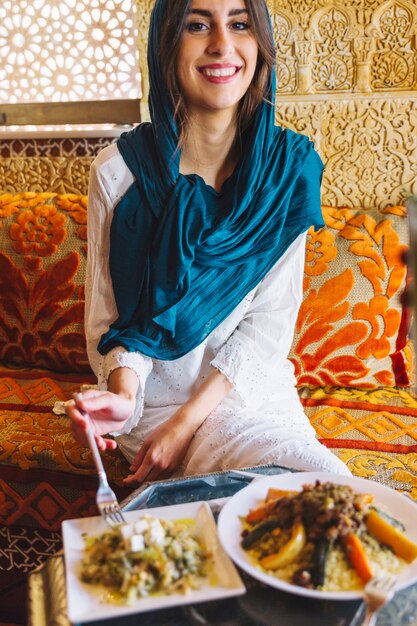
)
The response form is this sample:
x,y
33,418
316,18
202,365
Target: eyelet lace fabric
x,y
253,379
230,439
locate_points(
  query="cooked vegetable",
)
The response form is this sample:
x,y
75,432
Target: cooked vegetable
x,y
260,513
391,536
325,536
289,551
388,518
276,494
268,507
144,557
357,556
320,554
259,531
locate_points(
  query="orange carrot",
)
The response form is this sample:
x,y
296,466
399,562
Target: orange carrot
x,y
276,494
357,557
367,498
387,534
260,513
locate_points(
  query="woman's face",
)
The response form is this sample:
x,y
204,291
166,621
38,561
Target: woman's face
x,y
217,56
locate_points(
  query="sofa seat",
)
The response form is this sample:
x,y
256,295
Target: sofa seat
x,y
374,431
45,476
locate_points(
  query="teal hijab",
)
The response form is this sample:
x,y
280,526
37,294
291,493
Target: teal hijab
x,y
182,256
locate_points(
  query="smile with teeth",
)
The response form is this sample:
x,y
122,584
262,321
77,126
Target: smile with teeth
x,y
219,72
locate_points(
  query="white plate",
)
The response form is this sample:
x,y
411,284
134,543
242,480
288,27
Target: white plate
x,y
87,603
229,525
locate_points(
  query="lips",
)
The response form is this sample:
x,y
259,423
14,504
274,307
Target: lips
x,y
219,73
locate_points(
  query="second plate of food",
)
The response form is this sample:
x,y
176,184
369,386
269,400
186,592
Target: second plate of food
x,y
320,535
162,557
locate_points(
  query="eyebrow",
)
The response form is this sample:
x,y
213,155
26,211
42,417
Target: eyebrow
x,y
206,13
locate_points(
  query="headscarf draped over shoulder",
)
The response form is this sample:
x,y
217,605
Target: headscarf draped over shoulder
x,y
182,256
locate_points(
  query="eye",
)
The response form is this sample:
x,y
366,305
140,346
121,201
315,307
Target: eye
x,y
240,26
196,27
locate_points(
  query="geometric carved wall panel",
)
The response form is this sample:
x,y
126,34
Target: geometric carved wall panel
x,y
369,146
39,174
55,51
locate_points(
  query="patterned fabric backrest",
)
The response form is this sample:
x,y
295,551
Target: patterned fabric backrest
x,y
43,243
351,330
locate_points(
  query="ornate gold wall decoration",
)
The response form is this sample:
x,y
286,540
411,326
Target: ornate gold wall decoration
x,y
40,174
369,146
286,71
394,24
333,30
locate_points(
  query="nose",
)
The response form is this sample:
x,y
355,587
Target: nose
x,y
220,43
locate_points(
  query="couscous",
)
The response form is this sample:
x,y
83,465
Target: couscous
x,y
326,537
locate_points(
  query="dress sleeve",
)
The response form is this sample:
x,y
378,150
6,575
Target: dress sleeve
x,y
254,358
100,306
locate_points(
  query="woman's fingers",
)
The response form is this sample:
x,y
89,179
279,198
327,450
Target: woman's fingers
x,y
147,466
94,401
110,444
141,466
138,460
78,423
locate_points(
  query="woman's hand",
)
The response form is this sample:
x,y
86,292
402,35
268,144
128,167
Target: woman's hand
x,y
108,411
162,452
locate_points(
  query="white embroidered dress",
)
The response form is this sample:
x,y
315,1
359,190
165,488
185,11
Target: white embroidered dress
x,y
261,420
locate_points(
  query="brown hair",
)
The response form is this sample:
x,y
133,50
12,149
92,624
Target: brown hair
x,y
176,12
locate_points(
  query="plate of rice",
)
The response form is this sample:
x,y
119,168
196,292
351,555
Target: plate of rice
x,y
320,535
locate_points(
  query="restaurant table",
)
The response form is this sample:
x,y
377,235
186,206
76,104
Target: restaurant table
x,y
259,606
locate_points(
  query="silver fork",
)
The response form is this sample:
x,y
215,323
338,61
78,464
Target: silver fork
x,y
106,500
379,591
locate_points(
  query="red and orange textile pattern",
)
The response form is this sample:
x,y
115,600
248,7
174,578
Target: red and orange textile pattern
x,y
373,431
352,328
45,476
350,351
42,275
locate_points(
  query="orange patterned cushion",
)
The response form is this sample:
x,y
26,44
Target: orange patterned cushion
x,y
351,329
42,275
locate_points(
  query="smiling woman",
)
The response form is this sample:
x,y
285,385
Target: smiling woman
x,y
205,32
218,49
197,226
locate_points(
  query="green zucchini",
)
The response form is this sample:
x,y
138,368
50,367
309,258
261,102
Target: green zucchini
x,y
320,555
259,531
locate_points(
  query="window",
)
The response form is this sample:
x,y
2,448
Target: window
x,y
54,53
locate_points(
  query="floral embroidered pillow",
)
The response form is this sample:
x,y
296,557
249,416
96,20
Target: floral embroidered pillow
x,y
42,275
351,329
